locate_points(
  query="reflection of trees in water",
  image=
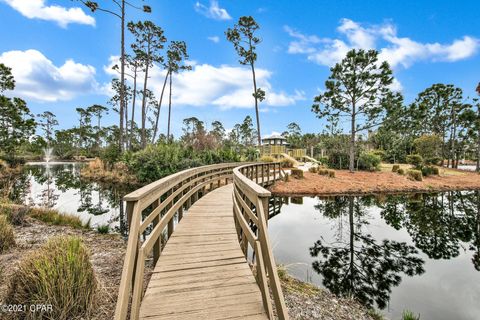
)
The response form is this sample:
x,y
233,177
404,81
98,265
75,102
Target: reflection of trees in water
x,y
95,199
356,265
439,224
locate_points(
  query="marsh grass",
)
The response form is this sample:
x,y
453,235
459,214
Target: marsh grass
x,y
60,274
409,315
7,236
53,217
103,229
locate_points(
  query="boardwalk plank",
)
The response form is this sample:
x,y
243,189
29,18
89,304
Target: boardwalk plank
x,y
202,273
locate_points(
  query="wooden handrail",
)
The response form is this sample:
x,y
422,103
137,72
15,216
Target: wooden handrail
x,y
250,207
155,206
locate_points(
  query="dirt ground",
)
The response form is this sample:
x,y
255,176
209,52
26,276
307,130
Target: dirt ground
x,y
107,258
362,182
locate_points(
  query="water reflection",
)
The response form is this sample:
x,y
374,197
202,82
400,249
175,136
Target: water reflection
x,y
357,265
58,186
370,247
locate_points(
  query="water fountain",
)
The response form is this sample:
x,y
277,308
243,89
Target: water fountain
x,y
47,154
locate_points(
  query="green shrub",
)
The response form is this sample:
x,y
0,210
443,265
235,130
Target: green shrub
x,y
395,168
157,161
369,161
381,153
59,273
267,159
401,171
7,237
297,173
433,160
415,159
287,163
430,170
415,175
408,315
53,217
103,229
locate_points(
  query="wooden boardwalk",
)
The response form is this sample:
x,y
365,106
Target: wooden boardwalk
x,y
202,273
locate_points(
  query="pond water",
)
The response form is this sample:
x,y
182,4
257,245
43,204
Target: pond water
x,y
419,252
58,185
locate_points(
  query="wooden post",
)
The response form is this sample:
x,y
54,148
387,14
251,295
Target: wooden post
x,y
157,247
180,213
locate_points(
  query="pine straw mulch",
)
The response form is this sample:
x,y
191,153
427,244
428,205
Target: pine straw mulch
x,y
361,182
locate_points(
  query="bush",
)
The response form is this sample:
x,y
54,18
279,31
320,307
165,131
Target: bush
x,y
287,163
59,273
430,170
313,169
15,213
381,153
297,173
326,172
395,168
415,175
433,161
401,171
416,160
7,237
369,161
103,229
267,159
157,161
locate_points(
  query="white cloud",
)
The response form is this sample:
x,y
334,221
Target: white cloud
x,y
394,49
37,78
222,86
213,11
37,9
214,39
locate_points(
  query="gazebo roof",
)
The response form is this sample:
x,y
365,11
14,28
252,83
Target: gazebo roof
x,y
274,137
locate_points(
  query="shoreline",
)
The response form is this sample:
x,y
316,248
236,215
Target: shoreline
x,y
303,300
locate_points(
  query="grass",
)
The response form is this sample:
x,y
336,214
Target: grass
x,y
7,237
59,273
103,229
293,285
376,315
53,217
408,315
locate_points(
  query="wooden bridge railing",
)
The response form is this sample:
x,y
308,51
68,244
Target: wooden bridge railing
x,y
154,207
250,206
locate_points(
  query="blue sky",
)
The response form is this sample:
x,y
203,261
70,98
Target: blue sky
x,y
61,53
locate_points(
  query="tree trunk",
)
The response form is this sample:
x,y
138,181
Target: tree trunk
x,y
259,136
122,77
159,107
351,166
452,136
169,108
144,101
134,100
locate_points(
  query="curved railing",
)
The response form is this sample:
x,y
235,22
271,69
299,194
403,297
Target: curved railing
x,y
250,207
154,208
